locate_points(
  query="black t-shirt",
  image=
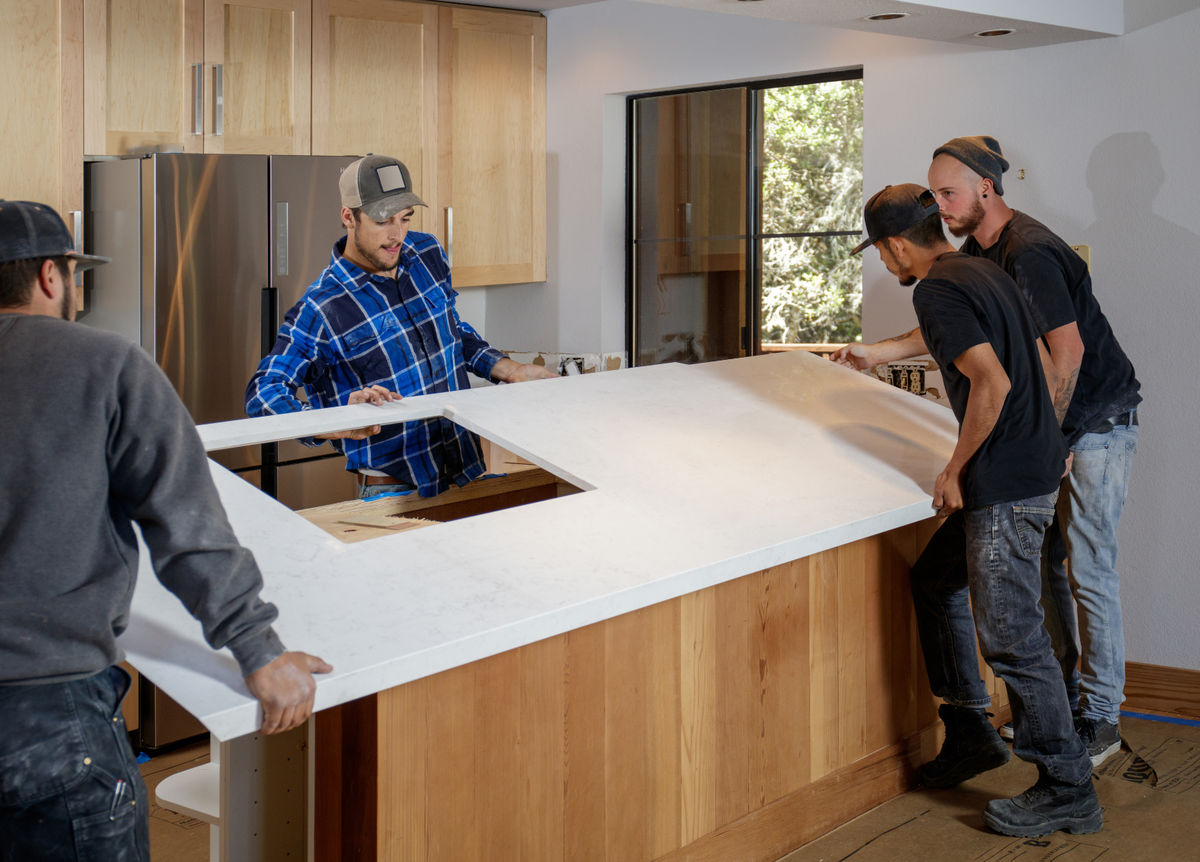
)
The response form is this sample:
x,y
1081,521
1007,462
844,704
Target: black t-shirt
x,y
965,301
1058,287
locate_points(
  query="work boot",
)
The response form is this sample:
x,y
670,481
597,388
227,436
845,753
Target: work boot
x,y
1047,807
972,746
1101,738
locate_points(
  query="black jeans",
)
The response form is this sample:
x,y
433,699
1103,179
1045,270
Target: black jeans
x,y
69,782
993,554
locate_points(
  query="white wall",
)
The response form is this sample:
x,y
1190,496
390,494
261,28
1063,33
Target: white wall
x,y
1106,131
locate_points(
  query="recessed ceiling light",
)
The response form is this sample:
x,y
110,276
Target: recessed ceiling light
x,y
887,16
989,33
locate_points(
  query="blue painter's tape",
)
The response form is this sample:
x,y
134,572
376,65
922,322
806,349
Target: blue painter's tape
x,y
1169,719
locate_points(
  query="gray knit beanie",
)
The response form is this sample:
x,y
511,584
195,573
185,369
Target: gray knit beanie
x,y
980,153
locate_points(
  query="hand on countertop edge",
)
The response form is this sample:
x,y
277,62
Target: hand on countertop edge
x,y
285,689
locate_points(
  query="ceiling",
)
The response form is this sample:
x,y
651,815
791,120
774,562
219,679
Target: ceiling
x,y
1034,22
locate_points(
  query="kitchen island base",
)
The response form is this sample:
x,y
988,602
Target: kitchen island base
x,y
734,723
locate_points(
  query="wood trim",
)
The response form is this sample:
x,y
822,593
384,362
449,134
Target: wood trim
x,y
444,134
538,155
95,79
1158,688
322,12
302,77
193,52
808,813
71,81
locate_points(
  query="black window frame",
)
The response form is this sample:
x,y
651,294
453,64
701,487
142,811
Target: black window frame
x,y
751,336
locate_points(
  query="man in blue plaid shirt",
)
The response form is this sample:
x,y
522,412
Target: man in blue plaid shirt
x,y
380,324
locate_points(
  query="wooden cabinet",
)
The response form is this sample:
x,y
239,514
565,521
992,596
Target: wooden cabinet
x,y
196,75
492,144
41,64
258,67
458,93
143,62
375,88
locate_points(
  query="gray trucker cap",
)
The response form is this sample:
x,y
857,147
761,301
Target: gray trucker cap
x,y
380,185
29,229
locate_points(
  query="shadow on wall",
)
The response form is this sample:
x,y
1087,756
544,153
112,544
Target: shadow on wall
x,y
1146,271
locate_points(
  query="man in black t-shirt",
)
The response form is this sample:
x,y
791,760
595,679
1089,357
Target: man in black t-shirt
x,y
998,493
1096,402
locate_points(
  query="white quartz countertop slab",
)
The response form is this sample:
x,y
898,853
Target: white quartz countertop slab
x,y
694,475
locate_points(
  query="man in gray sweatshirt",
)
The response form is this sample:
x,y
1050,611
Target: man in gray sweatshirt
x,y
95,440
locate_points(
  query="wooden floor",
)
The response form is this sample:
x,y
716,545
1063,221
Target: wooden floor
x,y
737,722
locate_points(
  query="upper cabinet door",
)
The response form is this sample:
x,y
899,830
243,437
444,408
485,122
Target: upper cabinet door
x,y
492,138
41,114
257,76
374,88
143,61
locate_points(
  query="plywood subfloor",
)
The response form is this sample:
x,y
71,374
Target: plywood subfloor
x,y
1150,792
175,837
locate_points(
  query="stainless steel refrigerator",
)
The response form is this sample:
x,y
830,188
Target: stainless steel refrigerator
x,y
209,252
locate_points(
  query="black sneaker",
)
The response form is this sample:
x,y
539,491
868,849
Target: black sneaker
x,y
1047,807
972,746
1101,738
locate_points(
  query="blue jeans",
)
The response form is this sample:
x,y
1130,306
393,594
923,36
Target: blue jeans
x,y
993,556
69,783
1083,615
370,492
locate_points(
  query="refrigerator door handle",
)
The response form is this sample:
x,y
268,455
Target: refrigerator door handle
x,y
197,98
281,238
77,235
219,122
450,237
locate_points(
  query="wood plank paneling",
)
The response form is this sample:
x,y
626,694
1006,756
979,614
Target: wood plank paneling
x,y
450,766
543,729
663,721
731,723
698,713
737,690
584,816
498,757
625,737
782,759
824,641
402,748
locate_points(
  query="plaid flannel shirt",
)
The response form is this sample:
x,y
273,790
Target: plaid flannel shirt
x,y
351,330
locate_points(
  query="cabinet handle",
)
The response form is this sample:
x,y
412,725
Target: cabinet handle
x,y
220,120
450,236
197,98
77,235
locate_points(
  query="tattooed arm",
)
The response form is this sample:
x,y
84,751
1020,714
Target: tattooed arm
x,y
1066,351
860,356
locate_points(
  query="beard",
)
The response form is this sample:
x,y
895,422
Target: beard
x,y
907,280
970,222
66,307
374,257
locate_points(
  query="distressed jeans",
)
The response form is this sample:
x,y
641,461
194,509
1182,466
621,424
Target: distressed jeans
x,y
1083,615
69,783
992,555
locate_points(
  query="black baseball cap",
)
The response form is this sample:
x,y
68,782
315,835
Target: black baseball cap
x,y
33,230
380,185
894,209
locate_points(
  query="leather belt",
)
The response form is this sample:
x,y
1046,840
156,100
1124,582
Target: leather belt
x,y
1128,418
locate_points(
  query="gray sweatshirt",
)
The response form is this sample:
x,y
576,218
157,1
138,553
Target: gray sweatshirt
x,y
92,439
